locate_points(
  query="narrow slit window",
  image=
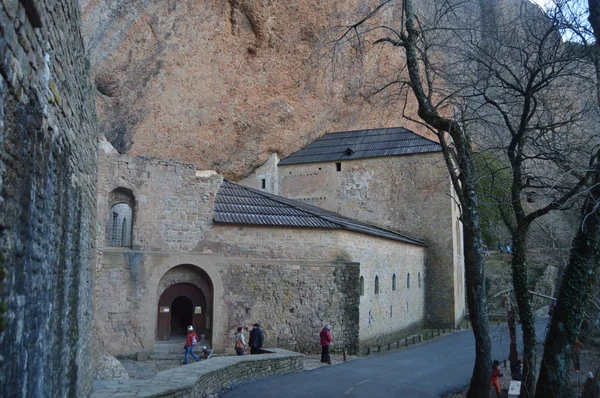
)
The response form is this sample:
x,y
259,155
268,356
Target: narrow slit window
x,y
394,282
376,285
362,286
338,166
263,183
408,280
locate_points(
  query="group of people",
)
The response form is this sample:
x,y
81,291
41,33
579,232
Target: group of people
x,y
255,342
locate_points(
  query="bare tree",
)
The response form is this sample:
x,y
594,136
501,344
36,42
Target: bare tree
x,y
509,84
578,278
456,148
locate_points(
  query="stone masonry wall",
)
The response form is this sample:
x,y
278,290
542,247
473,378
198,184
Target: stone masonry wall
x,y
47,197
292,280
388,313
200,379
410,194
293,300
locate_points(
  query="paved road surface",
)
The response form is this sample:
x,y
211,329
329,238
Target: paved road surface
x,y
427,370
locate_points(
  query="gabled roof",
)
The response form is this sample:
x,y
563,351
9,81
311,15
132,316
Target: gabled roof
x,y
236,204
359,144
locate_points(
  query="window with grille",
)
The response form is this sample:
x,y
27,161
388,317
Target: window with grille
x,y
119,229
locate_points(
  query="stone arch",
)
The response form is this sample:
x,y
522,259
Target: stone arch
x,y
121,218
184,281
207,263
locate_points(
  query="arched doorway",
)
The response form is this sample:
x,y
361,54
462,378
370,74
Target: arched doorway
x,y
180,305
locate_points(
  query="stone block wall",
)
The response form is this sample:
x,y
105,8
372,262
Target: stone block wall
x,y
293,300
48,141
409,194
388,313
200,379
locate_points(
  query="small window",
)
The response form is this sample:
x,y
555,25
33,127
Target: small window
x,y
391,311
394,282
376,285
263,183
119,229
362,286
338,166
408,280
419,279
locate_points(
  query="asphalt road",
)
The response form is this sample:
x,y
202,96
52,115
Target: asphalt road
x,y
430,369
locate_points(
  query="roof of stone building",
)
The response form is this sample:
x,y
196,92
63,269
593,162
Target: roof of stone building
x,y
360,144
236,204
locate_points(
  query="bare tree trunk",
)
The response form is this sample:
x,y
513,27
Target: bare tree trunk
x,y
579,276
473,246
523,297
513,354
475,280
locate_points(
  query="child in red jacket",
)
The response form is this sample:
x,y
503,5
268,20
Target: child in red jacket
x,y
190,342
496,373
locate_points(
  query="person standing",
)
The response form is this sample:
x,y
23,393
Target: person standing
x,y
496,374
257,339
240,341
325,341
590,388
190,342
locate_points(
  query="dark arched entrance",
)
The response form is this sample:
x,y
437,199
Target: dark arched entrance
x,y
182,311
180,305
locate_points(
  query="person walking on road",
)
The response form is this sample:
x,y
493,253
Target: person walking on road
x,y
257,339
190,342
325,341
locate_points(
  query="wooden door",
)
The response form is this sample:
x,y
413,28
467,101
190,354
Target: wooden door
x,y
197,311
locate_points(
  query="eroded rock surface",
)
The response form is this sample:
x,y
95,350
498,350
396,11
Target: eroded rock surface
x,y
225,83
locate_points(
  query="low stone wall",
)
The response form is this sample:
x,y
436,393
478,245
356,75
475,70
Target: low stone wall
x,y
198,379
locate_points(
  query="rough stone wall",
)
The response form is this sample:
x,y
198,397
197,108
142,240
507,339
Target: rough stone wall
x,y
174,207
410,194
382,316
173,210
292,280
47,198
293,300
202,380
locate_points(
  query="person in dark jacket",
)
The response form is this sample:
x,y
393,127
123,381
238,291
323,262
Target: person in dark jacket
x,y
325,341
590,388
257,339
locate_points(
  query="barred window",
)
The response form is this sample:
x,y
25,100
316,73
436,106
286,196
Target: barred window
x,y
119,228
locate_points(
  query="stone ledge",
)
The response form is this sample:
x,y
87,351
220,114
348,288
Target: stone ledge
x,y
197,379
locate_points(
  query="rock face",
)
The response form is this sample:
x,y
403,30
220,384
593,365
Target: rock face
x,y
48,141
224,83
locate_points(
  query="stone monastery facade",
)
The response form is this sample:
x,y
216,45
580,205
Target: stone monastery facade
x,y
318,237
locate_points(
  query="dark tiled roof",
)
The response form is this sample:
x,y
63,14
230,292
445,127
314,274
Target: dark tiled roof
x,y
359,144
236,204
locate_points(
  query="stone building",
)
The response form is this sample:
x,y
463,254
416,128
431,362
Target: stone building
x,y
179,246
48,146
392,178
